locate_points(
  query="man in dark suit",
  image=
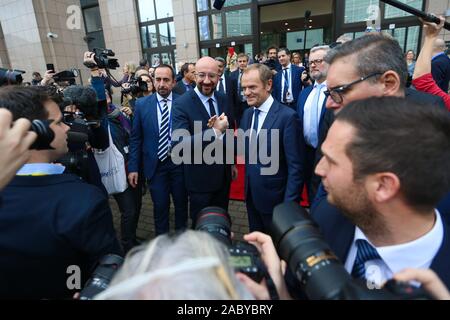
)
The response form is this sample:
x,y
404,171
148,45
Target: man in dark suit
x,y
287,83
150,145
311,110
237,97
268,184
393,208
188,81
50,220
440,65
224,84
208,184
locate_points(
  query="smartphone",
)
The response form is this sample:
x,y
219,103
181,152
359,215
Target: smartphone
x,y
50,67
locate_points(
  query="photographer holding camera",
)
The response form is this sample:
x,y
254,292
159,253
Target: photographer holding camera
x,y
50,220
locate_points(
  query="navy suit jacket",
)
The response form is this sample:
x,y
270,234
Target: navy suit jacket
x,y
296,74
269,190
338,232
440,69
180,88
145,135
238,105
186,110
48,223
304,94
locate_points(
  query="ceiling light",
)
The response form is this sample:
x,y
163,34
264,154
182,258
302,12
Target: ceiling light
x,y
286,23
288,29
310,27
310,20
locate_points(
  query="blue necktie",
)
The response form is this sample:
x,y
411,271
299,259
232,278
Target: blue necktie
x,y
254,135
241,97
188,87
163,144
365,253
313,122
221,88
286,85
212,110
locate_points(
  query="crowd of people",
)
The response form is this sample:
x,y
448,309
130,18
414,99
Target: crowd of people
x,y
371,148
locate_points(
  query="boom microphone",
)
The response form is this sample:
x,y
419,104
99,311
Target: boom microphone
x,y
425,16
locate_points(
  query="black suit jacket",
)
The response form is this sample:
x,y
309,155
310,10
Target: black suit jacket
x,y
186,110
47,224
440,69
180,88
238,105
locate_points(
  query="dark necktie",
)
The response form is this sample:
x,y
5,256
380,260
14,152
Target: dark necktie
x,y
212,110
286,84
163,144
221,88
365,253
255,124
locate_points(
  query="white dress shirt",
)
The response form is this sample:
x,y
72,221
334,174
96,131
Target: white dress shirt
x,y
264,110
161,104
308,106
415,254
290,96
205,102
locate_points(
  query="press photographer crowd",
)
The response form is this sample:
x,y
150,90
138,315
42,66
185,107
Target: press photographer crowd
x,y
359,124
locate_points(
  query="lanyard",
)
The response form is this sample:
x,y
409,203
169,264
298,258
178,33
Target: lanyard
x,y
286,77
170,118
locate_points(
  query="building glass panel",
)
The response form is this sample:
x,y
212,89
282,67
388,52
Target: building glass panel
x,y
165,38
392,12
216,26
203,28
358,10
239,23
202,5
163,9
146,10
93,20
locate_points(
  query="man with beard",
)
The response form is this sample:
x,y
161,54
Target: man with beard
x,y
311,109
387,177
208,184
150,143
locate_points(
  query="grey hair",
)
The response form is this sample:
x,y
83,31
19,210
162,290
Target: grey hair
x,y
318,48
220,59
177,268
373,53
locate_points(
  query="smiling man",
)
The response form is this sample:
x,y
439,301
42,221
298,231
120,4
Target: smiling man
x,y
265,116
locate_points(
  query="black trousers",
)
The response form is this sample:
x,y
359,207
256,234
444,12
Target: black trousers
x,y
201,200
129,217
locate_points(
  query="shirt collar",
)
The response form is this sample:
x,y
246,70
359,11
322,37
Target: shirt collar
x,y
204,98
40,169
287,67
160,99
185,83
265,107
415,254
437,55
323,84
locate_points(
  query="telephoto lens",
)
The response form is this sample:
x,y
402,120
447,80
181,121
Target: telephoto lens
x,y
217,222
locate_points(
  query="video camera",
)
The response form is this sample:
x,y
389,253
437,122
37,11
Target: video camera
x,y
136,86
10,77
244,257
271,63
102,59
317,269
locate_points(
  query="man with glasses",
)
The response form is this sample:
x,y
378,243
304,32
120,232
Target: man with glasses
x,y
370,66
311,110
207,184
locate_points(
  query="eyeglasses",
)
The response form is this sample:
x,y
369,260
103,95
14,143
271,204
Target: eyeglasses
x,y
316,62
336,93
202,75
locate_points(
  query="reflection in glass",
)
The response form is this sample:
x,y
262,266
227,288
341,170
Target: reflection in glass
x,y
166,59
357,10
167,34
248,48
203,27
217,26
230,3
392,12
204,52
413,38
400,35
146,10
149,37
202,5
238,23
93,20
163,9
155,60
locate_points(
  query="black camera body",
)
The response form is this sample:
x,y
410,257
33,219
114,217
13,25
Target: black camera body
x,y
271,63
10,77
244,257
136,87
101,277
103,60
320,275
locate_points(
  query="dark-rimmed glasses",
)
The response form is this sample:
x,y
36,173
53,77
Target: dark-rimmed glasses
x,y
336,93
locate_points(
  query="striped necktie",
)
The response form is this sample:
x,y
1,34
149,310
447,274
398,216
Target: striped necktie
x,y
365,253
163,144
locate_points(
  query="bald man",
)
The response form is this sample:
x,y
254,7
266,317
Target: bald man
x,y
208,184
440,65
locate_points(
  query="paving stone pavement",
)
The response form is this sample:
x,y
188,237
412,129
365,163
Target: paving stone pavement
x,y
146,227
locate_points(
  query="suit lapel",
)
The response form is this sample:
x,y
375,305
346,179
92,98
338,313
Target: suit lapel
x,y
197,102
152,111
271,116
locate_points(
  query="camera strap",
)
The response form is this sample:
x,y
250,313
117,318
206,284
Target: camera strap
x,y
273,293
